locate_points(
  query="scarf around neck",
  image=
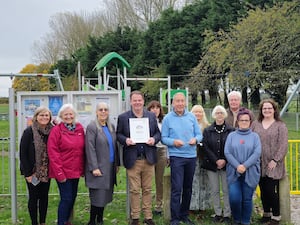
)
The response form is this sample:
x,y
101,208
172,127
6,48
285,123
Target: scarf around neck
x,y
40,137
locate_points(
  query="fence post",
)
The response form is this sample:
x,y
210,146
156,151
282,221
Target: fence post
x,y
297,121
284,199
12,151
166,197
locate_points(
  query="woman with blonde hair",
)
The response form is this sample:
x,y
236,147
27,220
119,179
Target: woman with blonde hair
x,y
200,200
34,163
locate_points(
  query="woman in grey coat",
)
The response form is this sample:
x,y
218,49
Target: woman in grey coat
x,y
102,161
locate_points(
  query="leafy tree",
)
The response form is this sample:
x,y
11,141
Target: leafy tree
x,y
65,66
124,41
263,4
151,89
36,83
266,44
176,39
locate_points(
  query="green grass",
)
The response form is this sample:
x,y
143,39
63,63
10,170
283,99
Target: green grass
x,y
115,212
4,108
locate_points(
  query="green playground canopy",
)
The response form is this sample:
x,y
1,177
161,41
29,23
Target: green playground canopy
x,y
114,57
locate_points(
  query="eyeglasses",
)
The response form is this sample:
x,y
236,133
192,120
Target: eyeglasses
x,y
103,109
267,108
219,113
244,121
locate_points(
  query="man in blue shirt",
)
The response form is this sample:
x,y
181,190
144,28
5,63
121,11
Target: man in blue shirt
x,y
181,133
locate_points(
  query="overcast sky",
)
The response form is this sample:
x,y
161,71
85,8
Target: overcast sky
x,y
25,21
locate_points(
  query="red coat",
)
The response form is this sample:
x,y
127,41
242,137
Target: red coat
x,y
66,152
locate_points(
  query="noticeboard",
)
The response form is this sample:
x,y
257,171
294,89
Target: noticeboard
x,y
84,103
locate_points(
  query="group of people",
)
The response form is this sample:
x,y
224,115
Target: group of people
x,y
67,152
234,153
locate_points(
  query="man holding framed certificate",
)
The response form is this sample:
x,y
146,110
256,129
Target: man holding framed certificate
x,y
138,133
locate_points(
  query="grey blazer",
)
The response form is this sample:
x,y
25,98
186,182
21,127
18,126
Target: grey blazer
x,y
97,156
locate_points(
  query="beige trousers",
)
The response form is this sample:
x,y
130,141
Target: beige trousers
x,y
140,179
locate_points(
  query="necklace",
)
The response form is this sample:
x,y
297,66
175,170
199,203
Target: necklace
x,y
103,124
220,131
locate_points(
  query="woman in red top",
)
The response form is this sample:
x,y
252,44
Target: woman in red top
x,y
66,159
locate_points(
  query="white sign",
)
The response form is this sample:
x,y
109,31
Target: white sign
x,y
139,129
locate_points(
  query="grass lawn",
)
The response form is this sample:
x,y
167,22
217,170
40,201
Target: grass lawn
x,y
115,212
4,108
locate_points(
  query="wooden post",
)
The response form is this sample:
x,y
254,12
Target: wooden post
x,y
285,201
166,197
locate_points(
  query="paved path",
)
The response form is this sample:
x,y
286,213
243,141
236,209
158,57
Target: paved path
x,y
295,209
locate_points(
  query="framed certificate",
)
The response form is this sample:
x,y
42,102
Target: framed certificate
x,y
139,129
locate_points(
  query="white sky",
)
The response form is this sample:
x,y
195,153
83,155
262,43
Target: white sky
x,y
24,21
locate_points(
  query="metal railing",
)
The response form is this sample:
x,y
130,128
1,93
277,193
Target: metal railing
x,y
292,166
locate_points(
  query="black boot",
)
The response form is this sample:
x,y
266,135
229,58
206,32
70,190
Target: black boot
x,y
100,215
93,214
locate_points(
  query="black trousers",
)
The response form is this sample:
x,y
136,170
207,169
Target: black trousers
x,y
38,201
269,189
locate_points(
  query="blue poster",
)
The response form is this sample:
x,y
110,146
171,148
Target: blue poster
x,y
55,102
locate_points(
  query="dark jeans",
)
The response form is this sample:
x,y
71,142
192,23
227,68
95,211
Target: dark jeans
x,y
269,189
68,193
182,173
38,201
241,203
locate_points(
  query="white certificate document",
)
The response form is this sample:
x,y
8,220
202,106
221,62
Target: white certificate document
x,y
139,129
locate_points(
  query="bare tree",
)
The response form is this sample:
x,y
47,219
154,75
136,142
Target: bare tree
x,y
69,32
138,13
72,30
46,50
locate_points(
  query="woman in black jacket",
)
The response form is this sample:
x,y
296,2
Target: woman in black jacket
x,y
34,164
214,138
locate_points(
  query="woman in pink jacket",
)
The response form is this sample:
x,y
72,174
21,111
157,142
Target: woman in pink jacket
x,y
66,159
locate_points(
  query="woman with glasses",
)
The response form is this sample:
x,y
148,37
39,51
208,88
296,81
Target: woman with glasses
x,y
34,163
274,139
102,161
214,138
242,151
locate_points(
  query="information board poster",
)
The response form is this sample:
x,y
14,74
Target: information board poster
x,y
30,105
55,102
